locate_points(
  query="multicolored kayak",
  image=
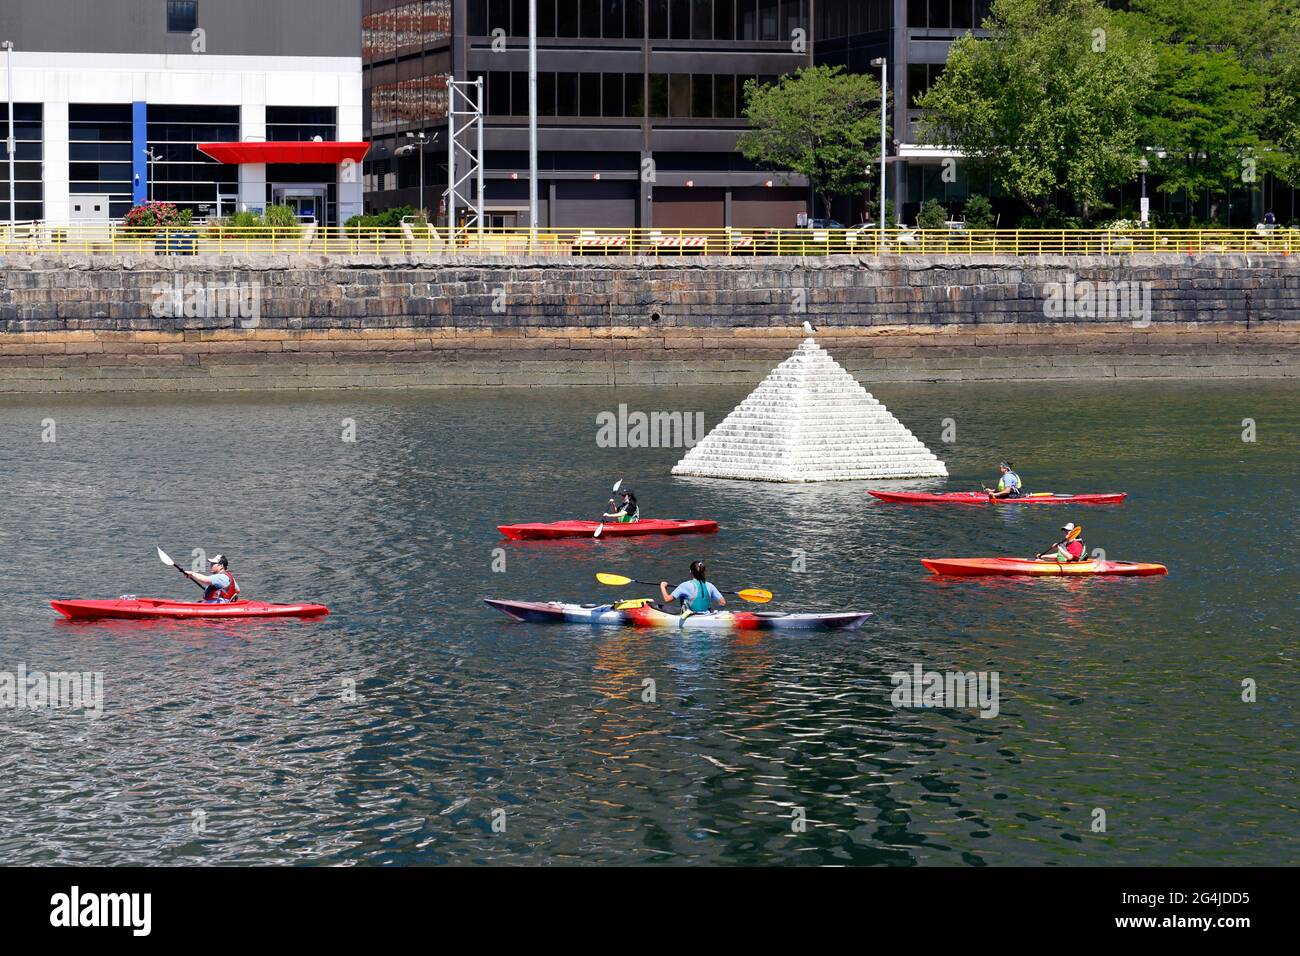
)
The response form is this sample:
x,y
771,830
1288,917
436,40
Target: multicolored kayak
x,y
978,566
585,529
156,609
643,613
980,498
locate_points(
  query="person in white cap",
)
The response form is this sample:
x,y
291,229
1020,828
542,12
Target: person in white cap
x,y
1071,548
219,587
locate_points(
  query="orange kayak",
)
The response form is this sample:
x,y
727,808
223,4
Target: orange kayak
x,y
984,566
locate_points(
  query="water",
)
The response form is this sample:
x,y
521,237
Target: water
x,y
233,744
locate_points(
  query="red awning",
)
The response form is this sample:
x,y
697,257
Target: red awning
x,y
239,153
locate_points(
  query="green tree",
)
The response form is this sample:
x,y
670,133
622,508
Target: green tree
x,y
1207,108
1049,101
817,122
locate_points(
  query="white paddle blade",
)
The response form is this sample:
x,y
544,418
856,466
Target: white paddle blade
x,y
162,556
618,484
599,529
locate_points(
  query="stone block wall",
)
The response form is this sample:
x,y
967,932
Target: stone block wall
x,y
146,323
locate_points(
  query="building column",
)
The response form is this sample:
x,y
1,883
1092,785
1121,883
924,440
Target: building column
x,y
54,169
351,182
252,176
139,161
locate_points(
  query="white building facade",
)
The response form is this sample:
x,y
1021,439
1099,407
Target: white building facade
x,y
214,106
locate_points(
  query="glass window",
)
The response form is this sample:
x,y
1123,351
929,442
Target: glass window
x,y
498,94
702,19
633,19
792,13
499,15
566,94
939,14
916,13
589,90
612,26
679,94
746,19
611,94
962,18
724,19
724,96
545,18
590,18
519,93
702,95
182,16
658,19
767,19
566,24
634,94
981,11
680,24
917,82
658,94
545,94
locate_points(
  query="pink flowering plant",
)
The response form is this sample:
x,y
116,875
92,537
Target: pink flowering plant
x,y
156,215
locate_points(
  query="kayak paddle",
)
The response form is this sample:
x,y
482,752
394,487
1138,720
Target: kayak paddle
x,y
601,527
753,595
166,559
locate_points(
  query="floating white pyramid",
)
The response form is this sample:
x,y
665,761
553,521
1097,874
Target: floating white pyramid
x,y
810,420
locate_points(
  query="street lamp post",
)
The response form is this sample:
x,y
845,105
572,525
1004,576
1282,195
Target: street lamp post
x,y
1143,165
532,114
420,140
10,142
881,62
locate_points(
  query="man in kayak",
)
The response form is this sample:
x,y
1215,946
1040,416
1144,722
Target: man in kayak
x,y
219,587
625,513
1008,484
1071,548
697,595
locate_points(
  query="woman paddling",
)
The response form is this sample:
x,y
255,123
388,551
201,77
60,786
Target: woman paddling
x,y
697,595
625,513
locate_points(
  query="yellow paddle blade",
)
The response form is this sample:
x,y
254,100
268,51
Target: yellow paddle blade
x,y
754,595
1041,494
615,579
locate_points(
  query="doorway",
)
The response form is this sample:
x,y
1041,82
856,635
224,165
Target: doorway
x,y
307,200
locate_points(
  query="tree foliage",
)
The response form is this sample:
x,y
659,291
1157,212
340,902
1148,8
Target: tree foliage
x,y
820,122
1050,101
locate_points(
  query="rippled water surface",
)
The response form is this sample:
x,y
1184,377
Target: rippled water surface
x,y
230,744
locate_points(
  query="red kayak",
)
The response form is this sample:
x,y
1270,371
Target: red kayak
x,y
980,498
585,529
982,566
156,609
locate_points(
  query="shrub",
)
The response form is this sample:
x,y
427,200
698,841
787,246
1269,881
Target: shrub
x,y
979,213
932,215
157,215
280,217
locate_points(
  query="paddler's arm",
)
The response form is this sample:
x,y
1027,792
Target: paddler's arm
x,y
203,579
663,591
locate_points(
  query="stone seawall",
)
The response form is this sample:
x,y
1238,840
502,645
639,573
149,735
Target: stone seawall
x,y
169,324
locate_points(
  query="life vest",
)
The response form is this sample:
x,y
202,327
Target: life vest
x,y
222,595
700,603
1077,550
1015,491
628,517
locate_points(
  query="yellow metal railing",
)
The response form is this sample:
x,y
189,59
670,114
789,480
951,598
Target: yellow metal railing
x,y
419,240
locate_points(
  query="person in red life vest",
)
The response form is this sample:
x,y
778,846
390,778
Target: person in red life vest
x,y
219,586
1070,549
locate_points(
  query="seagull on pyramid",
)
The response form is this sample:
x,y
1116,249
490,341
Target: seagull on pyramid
x,y
808,327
